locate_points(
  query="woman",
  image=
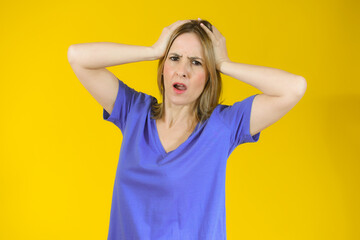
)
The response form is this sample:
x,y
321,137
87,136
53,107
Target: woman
x,y
170,181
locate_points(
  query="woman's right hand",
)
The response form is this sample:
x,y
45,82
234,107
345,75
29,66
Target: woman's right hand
x,y
160,46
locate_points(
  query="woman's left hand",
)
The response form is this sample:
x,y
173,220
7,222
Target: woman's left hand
x,y
219,45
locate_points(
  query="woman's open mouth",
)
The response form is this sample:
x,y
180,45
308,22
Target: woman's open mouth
x,y
179,87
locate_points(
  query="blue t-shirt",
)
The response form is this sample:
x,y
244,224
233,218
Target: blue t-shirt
x,y
179,195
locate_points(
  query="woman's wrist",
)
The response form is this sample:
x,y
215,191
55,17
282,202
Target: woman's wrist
x,y
153,53
220,65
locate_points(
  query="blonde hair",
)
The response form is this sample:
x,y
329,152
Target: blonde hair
x,y
210,96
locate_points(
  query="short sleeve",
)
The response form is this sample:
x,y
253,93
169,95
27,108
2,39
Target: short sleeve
x,y
237,118
125,98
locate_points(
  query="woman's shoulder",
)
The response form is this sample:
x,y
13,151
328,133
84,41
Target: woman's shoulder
x,y
144,98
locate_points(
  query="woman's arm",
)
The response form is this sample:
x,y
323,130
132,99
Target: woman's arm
x,y
281,90
89,62
106,54
270,81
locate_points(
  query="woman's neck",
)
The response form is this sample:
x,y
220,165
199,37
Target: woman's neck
x,y
178,115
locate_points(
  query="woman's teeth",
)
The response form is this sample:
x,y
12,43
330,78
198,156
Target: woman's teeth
x,y
180,86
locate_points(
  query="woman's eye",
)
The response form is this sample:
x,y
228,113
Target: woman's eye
x,y
197,63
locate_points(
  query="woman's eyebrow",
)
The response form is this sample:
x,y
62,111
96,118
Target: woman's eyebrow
x,y
178,55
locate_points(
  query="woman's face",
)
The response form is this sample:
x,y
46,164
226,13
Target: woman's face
x,y
185,64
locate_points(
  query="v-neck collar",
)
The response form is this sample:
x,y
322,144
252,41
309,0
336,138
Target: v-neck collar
x,y
158,143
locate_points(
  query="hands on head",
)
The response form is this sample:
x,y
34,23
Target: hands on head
x,y
218,41
160,46
219,45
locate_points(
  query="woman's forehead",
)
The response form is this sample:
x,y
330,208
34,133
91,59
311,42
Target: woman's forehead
x,y
188,44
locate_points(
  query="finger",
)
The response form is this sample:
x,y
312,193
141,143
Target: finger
x,y
178,23
184,21
211,35
205,28
215,30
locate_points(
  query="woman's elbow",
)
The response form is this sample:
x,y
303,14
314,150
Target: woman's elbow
x,y
301,86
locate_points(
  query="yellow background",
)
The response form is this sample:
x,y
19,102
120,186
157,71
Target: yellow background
x,y
58,157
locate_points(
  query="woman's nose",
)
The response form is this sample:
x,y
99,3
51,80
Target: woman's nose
x,y
182,69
